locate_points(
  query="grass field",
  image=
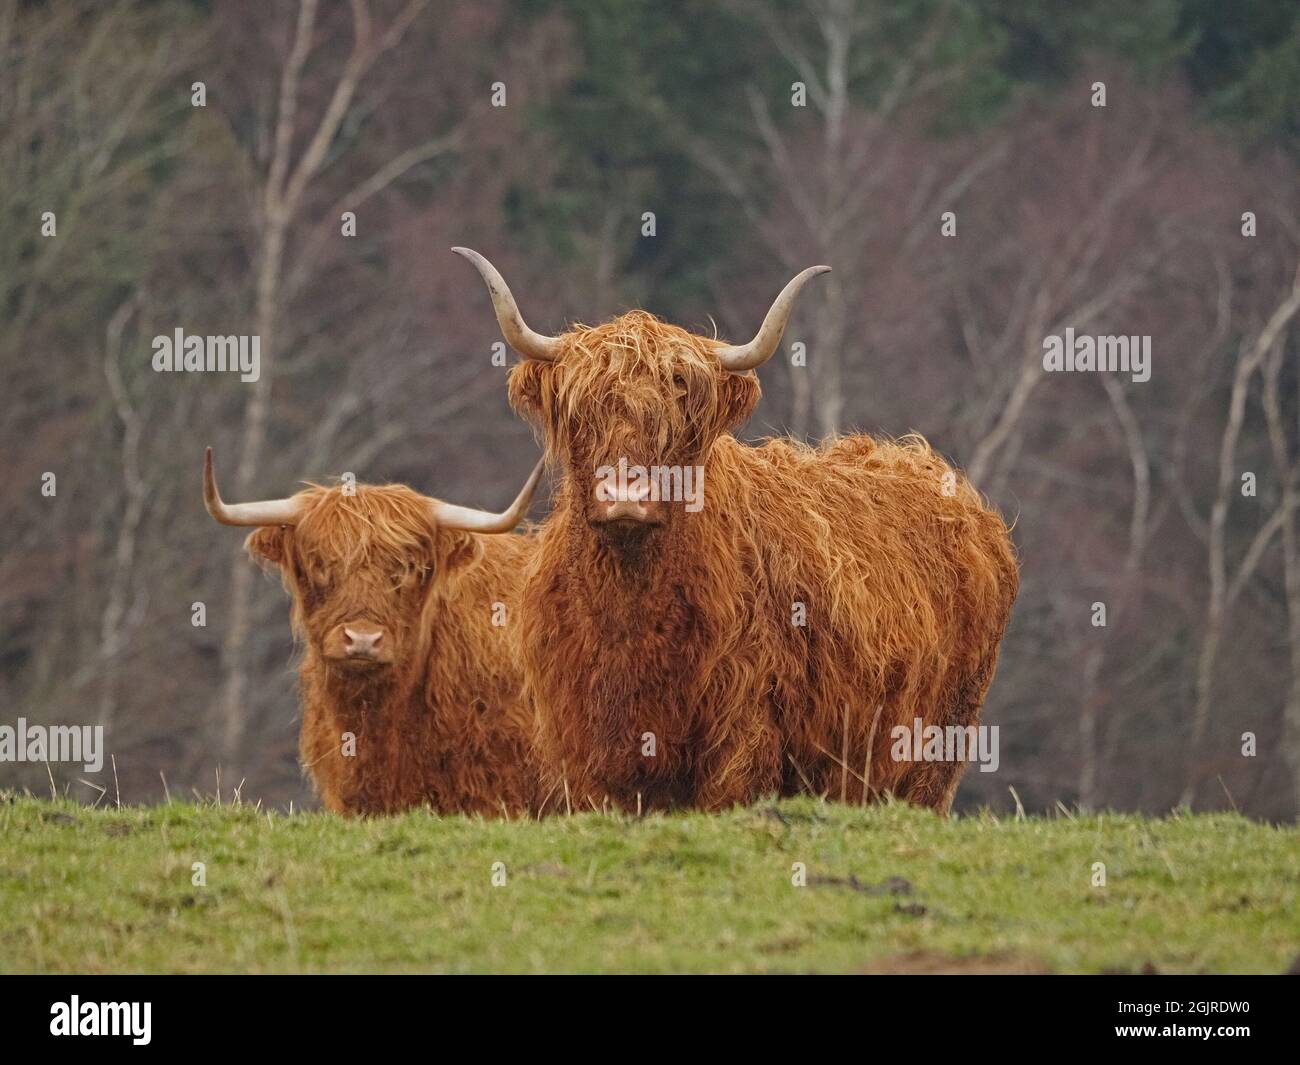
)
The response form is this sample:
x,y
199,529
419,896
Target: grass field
x,y
887,889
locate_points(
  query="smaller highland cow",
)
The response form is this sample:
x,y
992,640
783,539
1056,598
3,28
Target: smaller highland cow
x,y
409,680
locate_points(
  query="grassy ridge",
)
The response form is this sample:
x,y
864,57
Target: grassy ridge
x,y
888,888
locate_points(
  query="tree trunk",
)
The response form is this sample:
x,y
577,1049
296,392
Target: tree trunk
x,y
234,710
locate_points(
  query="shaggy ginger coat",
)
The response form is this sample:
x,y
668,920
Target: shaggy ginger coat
x,y
768,643
443,725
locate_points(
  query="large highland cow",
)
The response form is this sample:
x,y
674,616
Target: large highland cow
x,y
769,641
409,680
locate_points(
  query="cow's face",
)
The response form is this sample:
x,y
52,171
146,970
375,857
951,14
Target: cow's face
x,y
367,565
362,568
631,408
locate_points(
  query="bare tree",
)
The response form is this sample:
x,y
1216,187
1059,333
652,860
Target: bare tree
x,y
1223,577
815,197
113,620
287,177
1074,283
1126,591
1287,469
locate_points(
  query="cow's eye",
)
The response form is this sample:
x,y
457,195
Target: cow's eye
x,y
413,573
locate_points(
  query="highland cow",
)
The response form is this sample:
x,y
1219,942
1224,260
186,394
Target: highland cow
x,y
770,641
409,680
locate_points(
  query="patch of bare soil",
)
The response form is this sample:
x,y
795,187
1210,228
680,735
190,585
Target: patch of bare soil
x,y
930,963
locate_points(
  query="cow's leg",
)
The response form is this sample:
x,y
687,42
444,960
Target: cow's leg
x,y
934,784
931,784
319,759
739,767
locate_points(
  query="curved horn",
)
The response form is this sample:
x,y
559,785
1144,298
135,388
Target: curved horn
x,y
270,512
529,344
450,516
740,357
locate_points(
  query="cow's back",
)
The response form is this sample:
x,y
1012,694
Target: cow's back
x,y
886,577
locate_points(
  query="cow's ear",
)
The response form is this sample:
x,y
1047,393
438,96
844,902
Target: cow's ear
x,y
267,545
525,389
738,397
460,550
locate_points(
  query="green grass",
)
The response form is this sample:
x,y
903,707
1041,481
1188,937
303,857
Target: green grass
x,y
889,888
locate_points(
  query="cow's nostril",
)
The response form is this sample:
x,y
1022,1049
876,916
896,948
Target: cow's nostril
x,y
362,641
626,510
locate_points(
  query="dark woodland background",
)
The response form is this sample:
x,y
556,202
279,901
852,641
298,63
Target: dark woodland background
x,y
376,349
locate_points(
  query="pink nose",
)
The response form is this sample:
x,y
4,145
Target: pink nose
x,y
625,501
607,492
360,642
626,509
